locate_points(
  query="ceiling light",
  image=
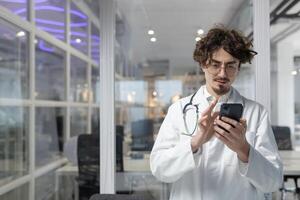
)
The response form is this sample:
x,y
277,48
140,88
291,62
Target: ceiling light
x,y
294,72
151,32
200,31
20,34
77,40
198,39
153,39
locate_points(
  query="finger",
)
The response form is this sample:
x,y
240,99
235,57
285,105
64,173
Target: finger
x,y
223,132
222,138
210,107
228,138
232,122
224,125
243,122
215,115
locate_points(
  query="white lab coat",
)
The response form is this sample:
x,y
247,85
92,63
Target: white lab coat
x,y
214,172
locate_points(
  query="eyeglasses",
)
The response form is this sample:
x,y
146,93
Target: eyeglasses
x,y
214,67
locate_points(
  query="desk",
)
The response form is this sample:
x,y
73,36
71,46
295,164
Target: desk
x,y
291,169
291,162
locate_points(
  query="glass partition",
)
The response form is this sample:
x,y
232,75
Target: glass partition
x,y
285,70
17,7
14,67
21,192
50,17
49,95
95,44
79,117
14,143
49,71
79,83
50,132
79,29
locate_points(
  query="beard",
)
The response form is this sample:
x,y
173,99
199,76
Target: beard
x,y
221,89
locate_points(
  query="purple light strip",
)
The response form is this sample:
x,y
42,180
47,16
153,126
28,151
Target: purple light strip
x,y
78,44
54,30
51,30
44,48
23,1
52,8
56,23
95,37
78,34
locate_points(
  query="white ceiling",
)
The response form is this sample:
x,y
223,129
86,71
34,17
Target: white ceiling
x,y
175,23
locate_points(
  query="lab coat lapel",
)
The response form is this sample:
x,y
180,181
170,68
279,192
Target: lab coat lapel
x,y
235,97
200,99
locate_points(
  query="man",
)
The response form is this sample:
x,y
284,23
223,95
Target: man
x,y
218,158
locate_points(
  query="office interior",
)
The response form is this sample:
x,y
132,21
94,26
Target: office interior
x,y
75,74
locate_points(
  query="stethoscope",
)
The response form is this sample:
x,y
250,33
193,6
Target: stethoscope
x,y
184,111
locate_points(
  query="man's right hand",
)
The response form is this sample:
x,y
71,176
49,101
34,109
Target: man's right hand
x,y
206,127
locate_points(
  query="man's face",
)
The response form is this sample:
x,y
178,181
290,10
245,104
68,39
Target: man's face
x,y
220,72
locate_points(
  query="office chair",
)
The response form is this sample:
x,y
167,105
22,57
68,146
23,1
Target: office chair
x,y
88,165
284,142
118,197
88,161
283,137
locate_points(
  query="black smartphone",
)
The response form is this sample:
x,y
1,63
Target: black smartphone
x,y
232,110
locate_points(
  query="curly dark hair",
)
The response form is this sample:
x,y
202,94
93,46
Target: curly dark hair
x,y
232,41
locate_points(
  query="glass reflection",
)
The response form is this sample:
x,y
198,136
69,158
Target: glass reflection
x,y
17,7
50,17
49,71
14,68
79,33
21,192
95,44
285,74
45,186
95,84
79,124
95,121
79,88
50,131
14,140
94,6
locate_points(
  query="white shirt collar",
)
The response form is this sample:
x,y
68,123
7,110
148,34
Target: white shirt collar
x,y
223,99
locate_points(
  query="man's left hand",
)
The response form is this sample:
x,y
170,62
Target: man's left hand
x,y
232,134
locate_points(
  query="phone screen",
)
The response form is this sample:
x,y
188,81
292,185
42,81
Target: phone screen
x,y
232,110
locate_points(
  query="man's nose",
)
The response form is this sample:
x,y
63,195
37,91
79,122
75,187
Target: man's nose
x,y
222,71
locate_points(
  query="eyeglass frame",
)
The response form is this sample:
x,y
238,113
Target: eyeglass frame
x,y
225,66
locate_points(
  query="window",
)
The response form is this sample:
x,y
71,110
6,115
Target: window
x,y
79,80
49,71
50,17
14,68
17,7
79,29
